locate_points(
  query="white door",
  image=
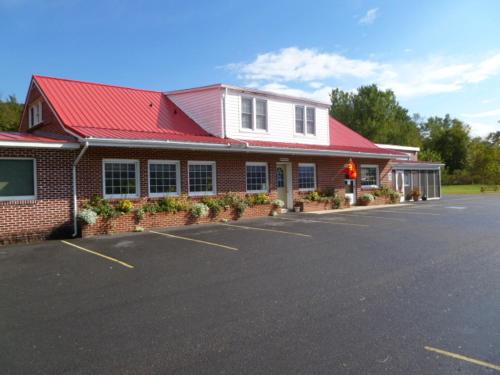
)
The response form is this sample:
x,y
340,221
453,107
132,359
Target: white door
x,y
400,185
281,183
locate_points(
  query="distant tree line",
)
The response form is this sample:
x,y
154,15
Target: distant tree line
x,y
10,113
377,115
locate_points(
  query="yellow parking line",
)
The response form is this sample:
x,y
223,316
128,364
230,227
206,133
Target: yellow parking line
x,y
98,254
194,240
463,358
322,221
410,212
268,230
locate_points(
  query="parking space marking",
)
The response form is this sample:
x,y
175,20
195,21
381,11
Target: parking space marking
x,y
323,221
375,217
268,230
463,358
98,254
410,212
194,240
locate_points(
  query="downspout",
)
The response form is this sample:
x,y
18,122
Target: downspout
x,y
75,199
224,128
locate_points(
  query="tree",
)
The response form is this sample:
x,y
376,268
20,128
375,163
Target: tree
x,y
375,114
449,138
10,113
484,161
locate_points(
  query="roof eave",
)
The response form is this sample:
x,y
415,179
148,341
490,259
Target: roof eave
x,y
229,147
35,144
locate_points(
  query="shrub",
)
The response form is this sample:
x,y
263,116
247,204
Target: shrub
x,y
124,206
199,210
139,213
101,207
278,203
257,199
337,202
367,198
394,197
215,205
169,204
240,207
151,207
88,216
313,196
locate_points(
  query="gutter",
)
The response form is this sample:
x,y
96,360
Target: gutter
x,y
230,147
35,144
75,198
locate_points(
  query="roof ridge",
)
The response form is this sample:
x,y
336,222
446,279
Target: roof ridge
x,y
96,83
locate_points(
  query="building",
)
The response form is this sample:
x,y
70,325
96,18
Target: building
x,y
80,139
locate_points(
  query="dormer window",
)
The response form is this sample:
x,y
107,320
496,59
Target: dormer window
x,y
35,114
305,120
253,114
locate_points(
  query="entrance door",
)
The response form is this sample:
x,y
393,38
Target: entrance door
x,y
400,185
281,183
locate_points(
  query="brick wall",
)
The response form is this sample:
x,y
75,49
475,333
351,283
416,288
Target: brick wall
x,y
50,214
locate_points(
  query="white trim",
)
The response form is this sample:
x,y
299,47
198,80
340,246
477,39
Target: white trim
x,y
289,183
23,197
256,163
177,178
254,128
214,178
398,147
377,176
37,106
28,144
418,166
315,176
305,133
137,179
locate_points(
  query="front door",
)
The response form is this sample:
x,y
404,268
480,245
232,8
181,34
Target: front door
x,y
400,185
281,183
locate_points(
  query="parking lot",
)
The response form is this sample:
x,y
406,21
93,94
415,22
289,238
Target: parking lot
x,y
407,290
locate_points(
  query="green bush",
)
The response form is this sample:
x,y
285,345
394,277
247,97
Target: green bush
x,y
215,205
199,210
101,207
124,206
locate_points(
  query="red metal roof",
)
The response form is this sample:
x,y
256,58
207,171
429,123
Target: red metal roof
x,y
28,137
114,112
92,108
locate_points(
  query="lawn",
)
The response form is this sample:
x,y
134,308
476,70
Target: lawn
x,y
464,189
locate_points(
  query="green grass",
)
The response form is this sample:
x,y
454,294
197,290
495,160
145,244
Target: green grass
x,y
465,189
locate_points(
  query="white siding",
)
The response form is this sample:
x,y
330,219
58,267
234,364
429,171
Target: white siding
x,y
280,122
204,107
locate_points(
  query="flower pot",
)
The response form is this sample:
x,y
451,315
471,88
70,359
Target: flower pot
x,y
296,208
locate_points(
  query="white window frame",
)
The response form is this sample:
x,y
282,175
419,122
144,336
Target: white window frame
x,y
23,197
254,114
37,106
304,119
255,163
137,179
315,176
377,176
214,178
177,179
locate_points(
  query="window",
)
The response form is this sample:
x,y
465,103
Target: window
x,y
261,114
256,177
369,176
17,179
307,176
299,119
164,178
247,113
201,178
305,120
253,114
311,120
35,114
121,178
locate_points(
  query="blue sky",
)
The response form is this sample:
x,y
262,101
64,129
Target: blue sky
x,y
438,56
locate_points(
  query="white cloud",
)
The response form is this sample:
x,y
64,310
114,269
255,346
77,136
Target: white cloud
x,y
369,17
481,129
492,113
431,75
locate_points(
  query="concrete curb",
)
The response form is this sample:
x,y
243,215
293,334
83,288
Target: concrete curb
x,y
357,208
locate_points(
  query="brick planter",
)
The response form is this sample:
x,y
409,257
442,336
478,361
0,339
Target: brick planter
x,y
308,206
128,222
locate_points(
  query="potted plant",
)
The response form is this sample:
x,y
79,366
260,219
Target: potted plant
x,y
278,205
415,194
424,196
365,199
